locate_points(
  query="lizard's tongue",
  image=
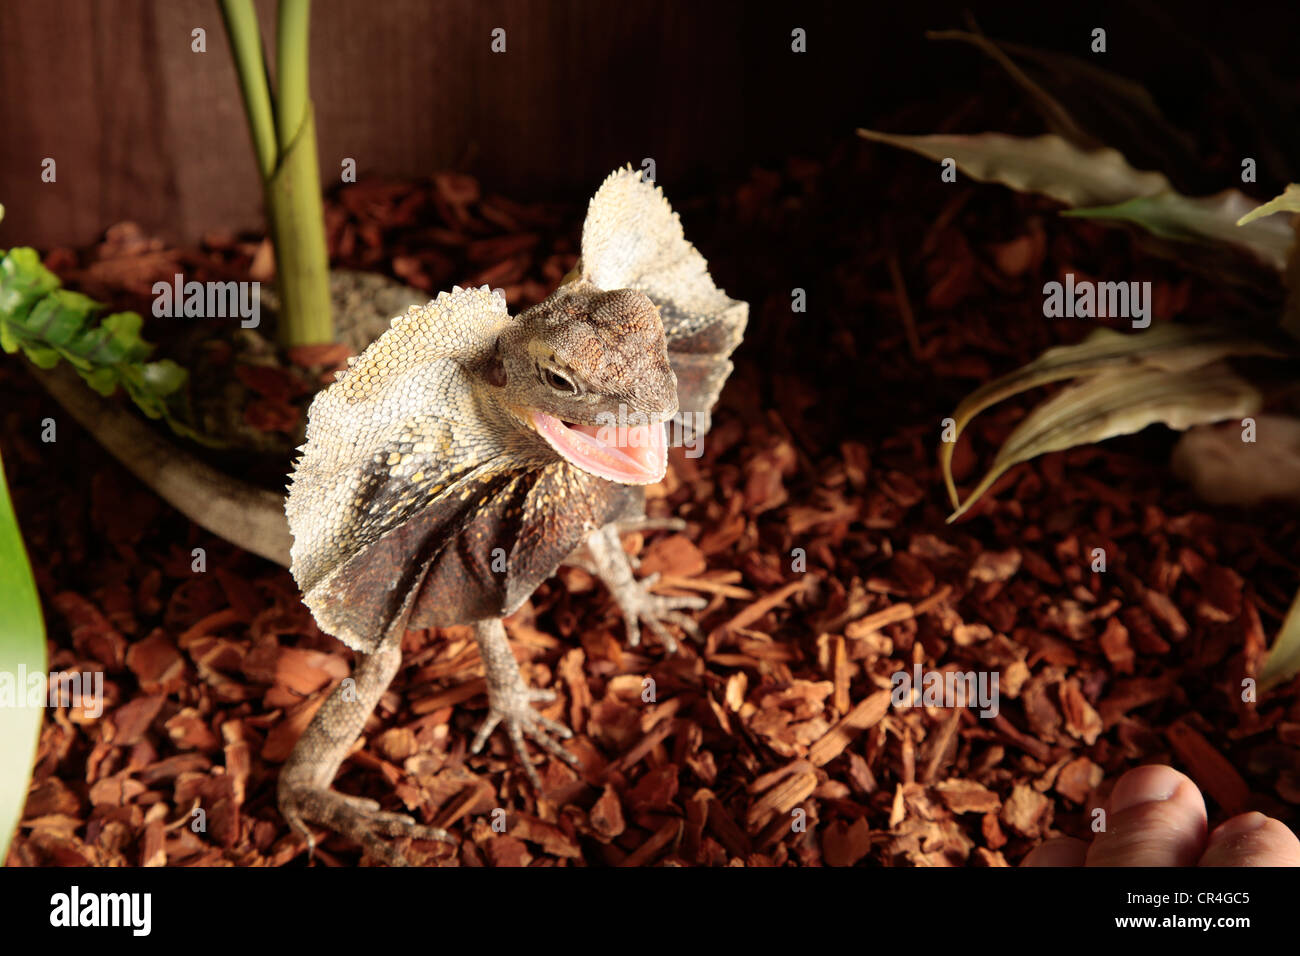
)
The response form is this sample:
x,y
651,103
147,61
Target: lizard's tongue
x,y
630,455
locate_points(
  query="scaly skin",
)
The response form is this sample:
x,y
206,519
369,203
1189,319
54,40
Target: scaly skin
x,y
510,700
304,785
464,456
606,559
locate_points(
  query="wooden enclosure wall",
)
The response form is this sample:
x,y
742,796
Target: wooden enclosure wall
x,y
142,128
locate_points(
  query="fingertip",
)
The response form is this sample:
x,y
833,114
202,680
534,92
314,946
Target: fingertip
x,y
1157,818
1252,839
1153,783
1061,851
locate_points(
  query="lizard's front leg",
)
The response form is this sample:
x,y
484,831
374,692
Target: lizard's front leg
x,y
304,789
511,700
602,554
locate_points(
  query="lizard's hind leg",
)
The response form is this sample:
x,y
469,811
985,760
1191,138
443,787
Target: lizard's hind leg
x,y
304,789
602,554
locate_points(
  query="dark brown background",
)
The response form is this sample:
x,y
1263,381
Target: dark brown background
x,y
144,129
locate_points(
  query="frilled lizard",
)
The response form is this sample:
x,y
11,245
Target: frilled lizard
x,y
466,454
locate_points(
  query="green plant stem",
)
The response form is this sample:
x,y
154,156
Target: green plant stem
x,y
246,49
293,194
291,44
293,204
284,139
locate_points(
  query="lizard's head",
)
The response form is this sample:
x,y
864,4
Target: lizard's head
x,y
588,371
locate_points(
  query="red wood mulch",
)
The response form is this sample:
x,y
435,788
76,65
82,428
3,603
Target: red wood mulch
x,y
774,742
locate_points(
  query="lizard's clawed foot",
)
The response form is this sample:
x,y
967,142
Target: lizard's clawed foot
x,y
513,704
638,604
356,818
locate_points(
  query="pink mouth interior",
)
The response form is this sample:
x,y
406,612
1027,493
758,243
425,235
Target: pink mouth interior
x,y
630,455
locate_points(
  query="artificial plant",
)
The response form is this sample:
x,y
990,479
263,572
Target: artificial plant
x,y
1119,383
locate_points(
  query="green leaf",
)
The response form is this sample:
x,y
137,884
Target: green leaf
x,y
40,355
1169,347
22,649
1283,661
23,281
1047,165
163,377
1101,184
58,318
1214,219
1120,402
51,324
1289,201
102,380
116,341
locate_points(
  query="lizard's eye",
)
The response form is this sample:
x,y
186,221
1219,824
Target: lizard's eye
x,y
558,382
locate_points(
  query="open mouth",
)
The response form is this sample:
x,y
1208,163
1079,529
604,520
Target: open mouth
x,y
628,454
